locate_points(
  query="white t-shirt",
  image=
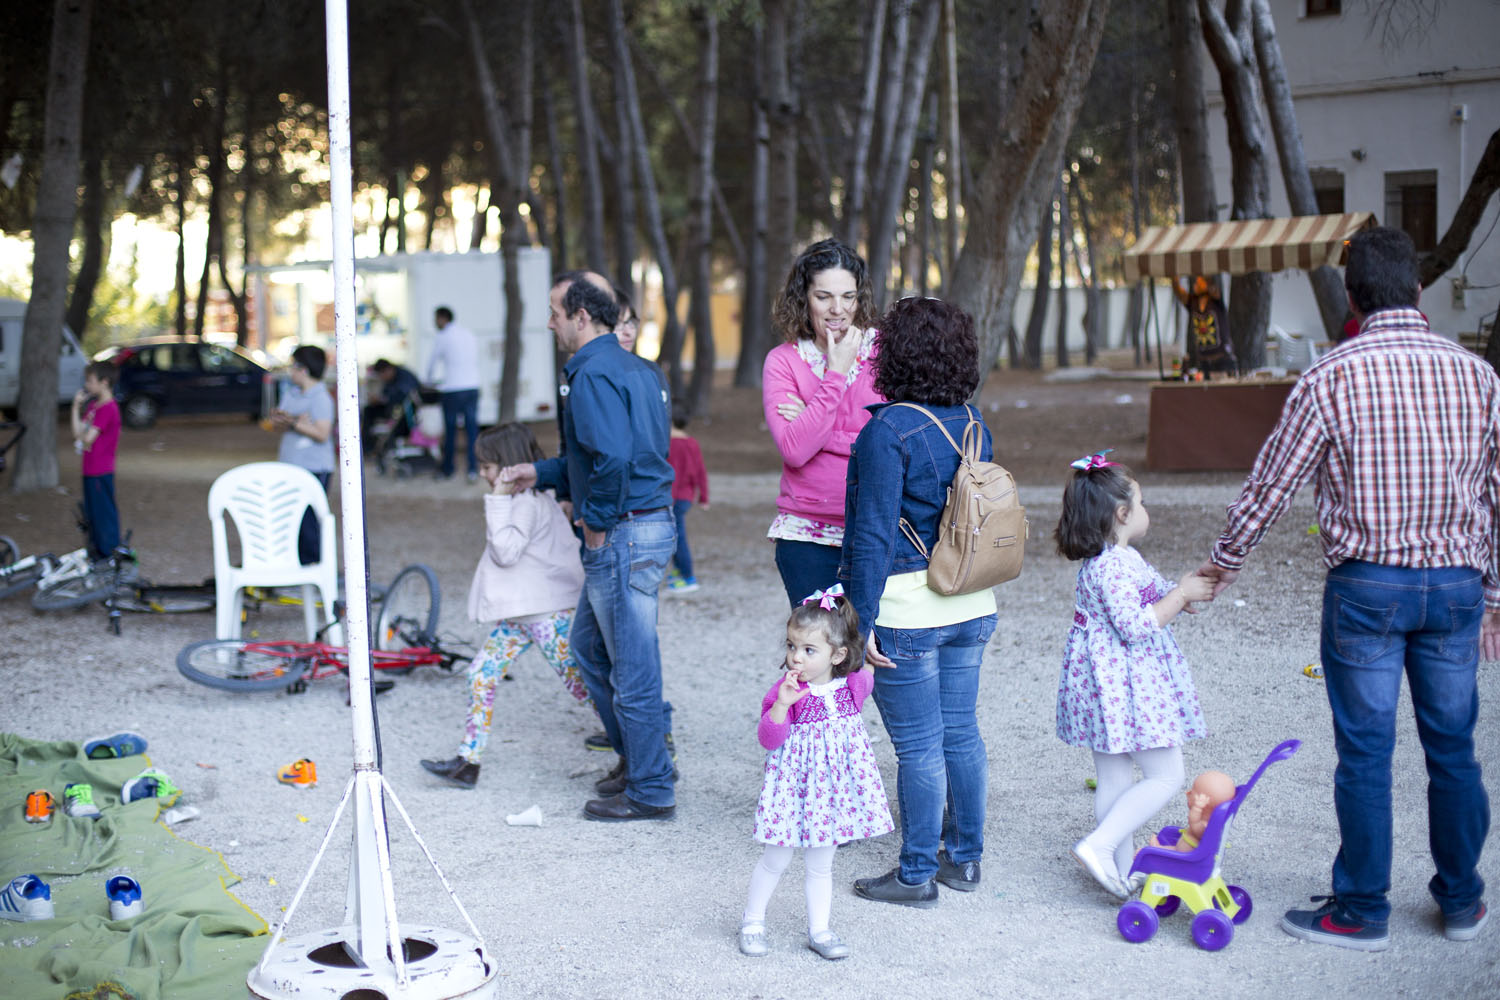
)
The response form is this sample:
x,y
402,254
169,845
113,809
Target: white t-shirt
x,y
455,350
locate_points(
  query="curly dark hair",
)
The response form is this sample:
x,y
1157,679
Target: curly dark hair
x,y
928,353
790,315
1090,501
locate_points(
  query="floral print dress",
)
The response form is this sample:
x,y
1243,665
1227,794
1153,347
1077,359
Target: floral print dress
x,y
822,785
1125,685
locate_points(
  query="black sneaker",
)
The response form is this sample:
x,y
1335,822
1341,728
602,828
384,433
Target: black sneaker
x,y
598,741
1332,924
889,888
1466,926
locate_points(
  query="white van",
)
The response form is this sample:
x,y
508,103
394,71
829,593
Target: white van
x,y
70,361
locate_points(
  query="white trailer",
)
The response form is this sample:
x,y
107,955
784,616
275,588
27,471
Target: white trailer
x,y
396,297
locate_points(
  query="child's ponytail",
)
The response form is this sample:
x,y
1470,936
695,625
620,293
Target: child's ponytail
x,y
831,611
1096,489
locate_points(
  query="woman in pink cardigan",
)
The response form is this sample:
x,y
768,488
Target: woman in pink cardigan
x,y
815,388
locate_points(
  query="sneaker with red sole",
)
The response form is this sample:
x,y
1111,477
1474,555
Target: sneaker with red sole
x,y
1332,924
1466,926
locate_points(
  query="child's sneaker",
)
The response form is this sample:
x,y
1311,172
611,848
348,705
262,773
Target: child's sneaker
x,y
302,773
124,895
597,741
78,801
682,585
39,806
150,783
118,745
26,898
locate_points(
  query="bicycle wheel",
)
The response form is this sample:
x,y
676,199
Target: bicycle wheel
x,y
15,581
242,664
163,600
409,611
97,583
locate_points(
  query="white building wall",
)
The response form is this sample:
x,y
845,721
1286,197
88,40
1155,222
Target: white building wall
x,y
1366,111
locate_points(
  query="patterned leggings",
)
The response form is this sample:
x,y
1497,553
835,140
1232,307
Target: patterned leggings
x,y
508,641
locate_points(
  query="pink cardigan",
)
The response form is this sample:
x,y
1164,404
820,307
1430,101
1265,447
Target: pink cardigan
x,y
772,734
815,447
530,563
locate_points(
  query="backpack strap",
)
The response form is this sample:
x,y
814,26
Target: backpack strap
x,y
968,453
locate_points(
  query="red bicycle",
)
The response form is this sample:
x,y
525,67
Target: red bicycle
x,y
405,638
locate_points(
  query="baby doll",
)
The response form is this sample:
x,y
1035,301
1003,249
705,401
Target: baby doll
x,y
1208,791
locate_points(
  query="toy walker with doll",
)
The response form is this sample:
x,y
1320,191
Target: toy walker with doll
x,y
1170,877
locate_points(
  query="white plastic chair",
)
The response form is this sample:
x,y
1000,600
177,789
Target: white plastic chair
x,y
266,501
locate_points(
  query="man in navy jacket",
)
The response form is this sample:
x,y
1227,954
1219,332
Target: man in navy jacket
x,y
616,426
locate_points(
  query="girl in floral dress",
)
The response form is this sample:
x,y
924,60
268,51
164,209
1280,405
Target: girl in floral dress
x,y
1125,691
822,786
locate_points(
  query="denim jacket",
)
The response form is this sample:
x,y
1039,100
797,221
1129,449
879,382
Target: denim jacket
x,y
901,467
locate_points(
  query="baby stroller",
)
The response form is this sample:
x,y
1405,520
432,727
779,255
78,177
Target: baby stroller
x,y
1173,878
409,439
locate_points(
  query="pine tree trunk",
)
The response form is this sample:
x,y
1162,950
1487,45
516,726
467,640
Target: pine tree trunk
x,y
1484,183
704,358
755,316
782,113
625,213
896,167
1327,286
180,197
1232,48
52,231
95,246
952,175
1092,320
560,259
1003,204
1195,164
588,147
1064,245
1036,323
864,128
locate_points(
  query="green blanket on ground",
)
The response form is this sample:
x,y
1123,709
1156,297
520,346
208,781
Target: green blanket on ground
x,y
194,939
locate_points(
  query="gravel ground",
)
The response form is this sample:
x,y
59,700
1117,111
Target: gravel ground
x,y
581,909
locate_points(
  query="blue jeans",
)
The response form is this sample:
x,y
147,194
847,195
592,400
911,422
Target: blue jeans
x,y
927,703
464,403
1378,623
806,567
103,516
614,642
683,557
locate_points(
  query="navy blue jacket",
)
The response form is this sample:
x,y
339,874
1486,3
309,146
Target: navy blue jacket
x,y
901,466
616,426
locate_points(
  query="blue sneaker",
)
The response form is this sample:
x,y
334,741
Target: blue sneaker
x,y
1332,924
124,895
118,745
149,784
26,898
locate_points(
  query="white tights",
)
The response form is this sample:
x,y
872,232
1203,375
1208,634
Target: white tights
x,y
818,861
1122,805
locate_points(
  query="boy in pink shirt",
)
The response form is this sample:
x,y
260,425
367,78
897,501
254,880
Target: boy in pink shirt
x,y
96,435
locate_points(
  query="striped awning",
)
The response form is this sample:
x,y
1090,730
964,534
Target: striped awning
x,y
1304,242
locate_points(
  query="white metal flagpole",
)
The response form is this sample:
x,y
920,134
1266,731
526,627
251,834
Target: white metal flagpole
x,y
370,955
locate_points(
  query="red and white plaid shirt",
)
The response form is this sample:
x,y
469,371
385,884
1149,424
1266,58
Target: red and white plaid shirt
x,y
1401,427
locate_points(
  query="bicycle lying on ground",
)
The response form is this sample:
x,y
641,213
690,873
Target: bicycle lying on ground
x,y
405,638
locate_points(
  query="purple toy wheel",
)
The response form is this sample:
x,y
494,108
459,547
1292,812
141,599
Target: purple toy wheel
x,y
1241,899
1136,921
1168,906
1212,930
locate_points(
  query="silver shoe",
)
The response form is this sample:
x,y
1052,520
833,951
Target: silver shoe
x,y
753,940
829,946
1091,862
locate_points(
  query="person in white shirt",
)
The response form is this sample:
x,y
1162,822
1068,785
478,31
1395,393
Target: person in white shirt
x,y
456,352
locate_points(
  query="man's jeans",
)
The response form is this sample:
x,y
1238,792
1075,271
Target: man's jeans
x,y
463,403
614,641
927,703
1378,622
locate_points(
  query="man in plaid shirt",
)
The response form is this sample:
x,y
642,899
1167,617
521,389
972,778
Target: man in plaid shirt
x,y
1400,430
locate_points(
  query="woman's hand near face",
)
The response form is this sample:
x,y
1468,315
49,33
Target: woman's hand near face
x,y
843,349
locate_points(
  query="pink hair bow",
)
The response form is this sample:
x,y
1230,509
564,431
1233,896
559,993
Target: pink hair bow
x,y
825,598
1095,461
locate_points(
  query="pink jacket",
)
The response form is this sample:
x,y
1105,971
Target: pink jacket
x,y
815,447
530,563
772,734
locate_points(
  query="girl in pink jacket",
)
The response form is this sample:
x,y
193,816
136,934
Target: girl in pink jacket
x,y
528,581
